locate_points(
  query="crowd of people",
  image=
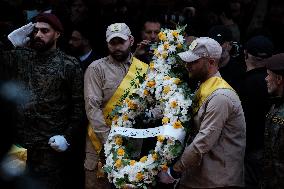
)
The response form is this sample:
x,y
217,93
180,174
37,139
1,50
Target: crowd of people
x,y
64,60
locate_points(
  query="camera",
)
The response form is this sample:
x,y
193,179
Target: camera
x,y
236,50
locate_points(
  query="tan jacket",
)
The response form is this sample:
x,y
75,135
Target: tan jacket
x,y
102,78
215,158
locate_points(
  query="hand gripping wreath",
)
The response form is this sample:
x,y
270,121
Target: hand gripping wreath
x,y
161,89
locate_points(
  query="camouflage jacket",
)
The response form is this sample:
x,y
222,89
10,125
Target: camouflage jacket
x,y
274,148
54,85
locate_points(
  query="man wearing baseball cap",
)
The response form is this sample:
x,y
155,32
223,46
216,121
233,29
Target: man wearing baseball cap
x,y
55,106
254,96
215,157
103,79
274,128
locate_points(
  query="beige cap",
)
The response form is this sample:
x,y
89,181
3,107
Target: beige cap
x,y
117,30
202,47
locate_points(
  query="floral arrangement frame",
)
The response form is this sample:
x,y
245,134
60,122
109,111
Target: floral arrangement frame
x,y
162,88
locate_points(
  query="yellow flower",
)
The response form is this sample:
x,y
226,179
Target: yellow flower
x,y
164,167
139,176
162,36
179,46
155,156
166,46
151,84
132,105
165,120
124,117
167,77
175,33
115,118
146,92
165,55
127,100
132,162
143,159
152,65
174,104
160,138
156,53
166,89
177,81
118,163
118,141
120,152
177,125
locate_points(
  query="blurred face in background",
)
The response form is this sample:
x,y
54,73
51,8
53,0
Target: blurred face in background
x,y
273,82
151,31
77,43
44,37
79,11
119,48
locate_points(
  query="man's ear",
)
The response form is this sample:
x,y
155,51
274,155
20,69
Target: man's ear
x,y
213,62
57,34
131,39
280,79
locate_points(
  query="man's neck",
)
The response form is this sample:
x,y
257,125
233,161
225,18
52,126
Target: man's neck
x,y
209,75
251,67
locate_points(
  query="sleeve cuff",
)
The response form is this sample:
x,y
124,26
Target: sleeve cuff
x,y
173,173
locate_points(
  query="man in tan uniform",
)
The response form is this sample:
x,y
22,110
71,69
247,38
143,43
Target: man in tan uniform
x,y
102,79
215,157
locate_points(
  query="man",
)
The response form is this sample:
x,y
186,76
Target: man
x,y
81,45
214,159
149,35
274,130
102,79
52,114
253,90
231,64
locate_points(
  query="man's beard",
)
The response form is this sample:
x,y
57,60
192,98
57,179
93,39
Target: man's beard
x,y
120,56
40,45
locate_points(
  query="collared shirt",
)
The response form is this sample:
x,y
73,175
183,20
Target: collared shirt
x,y
215,158
85,56
102,78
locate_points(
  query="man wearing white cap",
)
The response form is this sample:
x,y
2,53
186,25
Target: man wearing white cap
x,y
102,78
215,157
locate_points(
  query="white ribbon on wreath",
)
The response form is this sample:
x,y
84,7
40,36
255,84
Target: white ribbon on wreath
x,y
165,130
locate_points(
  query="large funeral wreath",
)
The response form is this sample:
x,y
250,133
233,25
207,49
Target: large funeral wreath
x,y
163,88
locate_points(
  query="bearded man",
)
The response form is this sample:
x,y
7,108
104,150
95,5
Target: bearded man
x,y
54,109
102,78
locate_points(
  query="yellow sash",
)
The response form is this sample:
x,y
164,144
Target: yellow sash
x,y
17,157
206,89
125,88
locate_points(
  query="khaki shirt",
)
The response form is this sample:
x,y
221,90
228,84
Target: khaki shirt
x,y
215,158
102,78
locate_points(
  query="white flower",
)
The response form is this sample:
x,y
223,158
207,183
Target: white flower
x,y
172,48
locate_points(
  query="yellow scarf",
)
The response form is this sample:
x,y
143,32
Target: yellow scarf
x,y
125,89
206,89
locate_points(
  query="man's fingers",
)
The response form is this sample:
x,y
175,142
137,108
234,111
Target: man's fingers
x,y
28,28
